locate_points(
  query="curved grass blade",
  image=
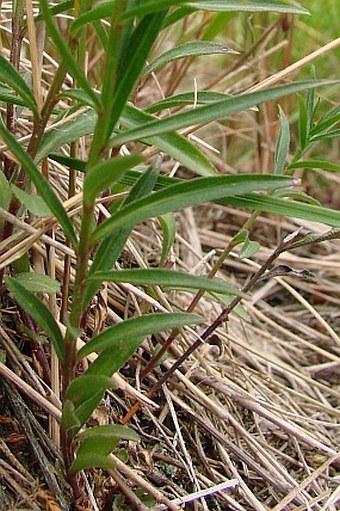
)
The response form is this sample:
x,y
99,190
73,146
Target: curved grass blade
x,y
208,113
167,278
192,49
39,312
10,76
41,184
128,330
188,193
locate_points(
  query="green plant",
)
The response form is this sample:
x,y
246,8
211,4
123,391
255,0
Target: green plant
x,y
113,121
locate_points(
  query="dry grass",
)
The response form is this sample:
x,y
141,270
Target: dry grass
x,y
251,420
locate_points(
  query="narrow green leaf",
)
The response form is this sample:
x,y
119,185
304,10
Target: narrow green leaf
x,y
208,113
91,460
8,96
5,192
110,360
310,102
172,144
57,9
328,135
39,312
139,46
187,98
41,184
70,129
10,76
188,193
327,121
297,195
33,203
85,393
192,49
104,174
66,53
168,278
84,122
111,431
37,282
282,145
303,123
69,419
85,408
83,387
129,329
285,207
315,164
168,225
150,7
248,6
110,248
98,12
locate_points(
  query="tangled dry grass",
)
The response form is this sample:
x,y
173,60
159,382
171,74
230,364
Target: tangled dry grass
x,y
249,422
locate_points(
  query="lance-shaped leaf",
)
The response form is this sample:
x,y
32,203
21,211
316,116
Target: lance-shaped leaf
x,y
10,76
187,98
98,443
282,144
285,207
149,7
188,193
127,330
43,187
37,282
173,144
39,312
85,393
168,278
66,131
192,49
168,225
100,177
315,164
247,5
208,113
